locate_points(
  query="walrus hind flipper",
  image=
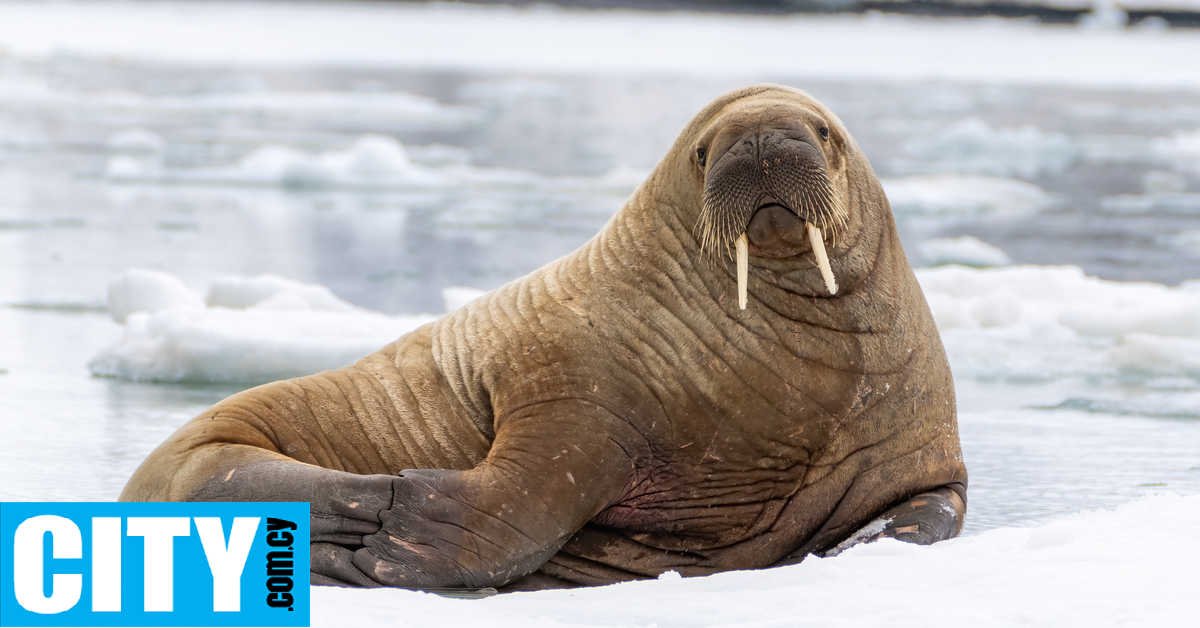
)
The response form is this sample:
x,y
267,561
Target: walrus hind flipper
x,y
923,520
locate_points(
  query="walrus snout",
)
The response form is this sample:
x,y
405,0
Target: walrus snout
x,y
772,174
776,232
770,188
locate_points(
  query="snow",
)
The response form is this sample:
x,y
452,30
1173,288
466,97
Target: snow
x,y
539,39
1133,565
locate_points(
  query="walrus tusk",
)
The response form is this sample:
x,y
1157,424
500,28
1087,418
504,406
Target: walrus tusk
x,y
743,267
818,244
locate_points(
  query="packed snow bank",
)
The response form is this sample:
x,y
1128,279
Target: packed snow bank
x,y
1017,322
1130,566
1043,322
537,39
252,330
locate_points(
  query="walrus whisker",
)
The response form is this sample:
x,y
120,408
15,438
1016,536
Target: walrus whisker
x,y
743,268
818,245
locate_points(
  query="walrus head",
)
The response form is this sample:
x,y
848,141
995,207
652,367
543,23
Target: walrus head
x,y
768,183
780,184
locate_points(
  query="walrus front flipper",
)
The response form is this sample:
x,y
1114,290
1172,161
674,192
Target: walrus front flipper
x,y
553,467
924,520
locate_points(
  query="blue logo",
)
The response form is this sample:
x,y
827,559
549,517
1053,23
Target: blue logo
x,y
154,564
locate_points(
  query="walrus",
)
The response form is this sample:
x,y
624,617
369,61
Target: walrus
x,y
739,370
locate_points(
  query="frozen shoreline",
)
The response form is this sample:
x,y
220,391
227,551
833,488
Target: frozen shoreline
x,y
541,39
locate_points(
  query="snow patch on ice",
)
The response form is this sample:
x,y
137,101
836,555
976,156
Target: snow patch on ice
x,y
972,146
1133,564
965,250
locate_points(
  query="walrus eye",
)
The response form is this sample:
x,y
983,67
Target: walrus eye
x,y
824,132
701,153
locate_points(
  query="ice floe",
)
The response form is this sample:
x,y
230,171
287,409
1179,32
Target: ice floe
x,y
370,163
943,195
972,146
964,250
1016,322
377,109
247,330
1037,322
1130,565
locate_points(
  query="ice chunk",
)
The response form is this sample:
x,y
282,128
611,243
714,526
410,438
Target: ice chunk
x,y
245,346
962,195
1185,240
142,290
1160,182
1150,353
1105,15
965,250
273,292
971,146
254,330
371,159
136,141
1036,322
1180,146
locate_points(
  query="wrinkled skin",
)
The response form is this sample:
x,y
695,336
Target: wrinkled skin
x,y
614,414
